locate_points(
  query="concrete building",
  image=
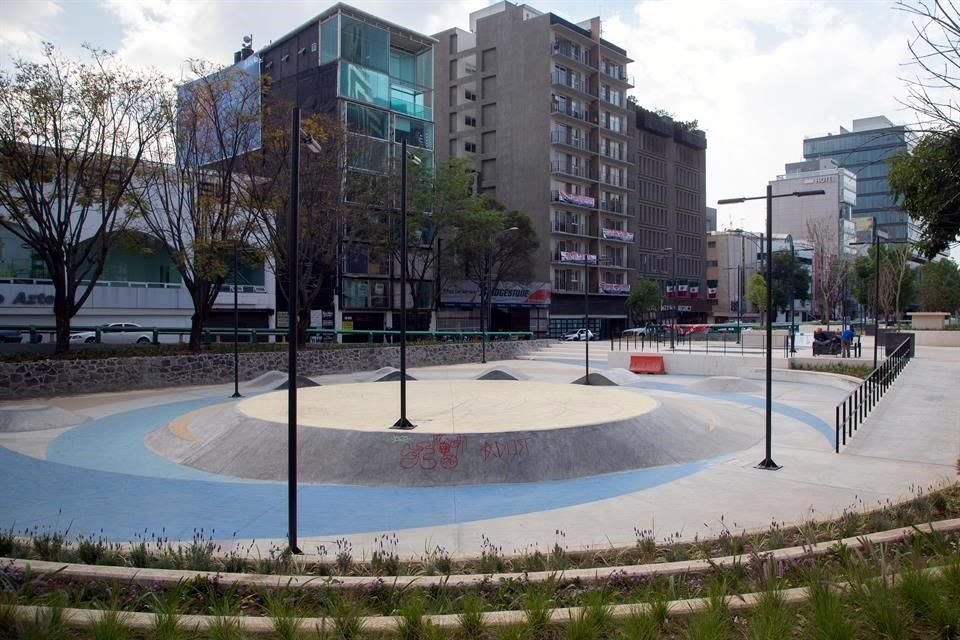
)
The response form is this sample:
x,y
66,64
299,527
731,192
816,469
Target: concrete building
x,y
539,104
864,150
377,78
831,212
711,219
670,212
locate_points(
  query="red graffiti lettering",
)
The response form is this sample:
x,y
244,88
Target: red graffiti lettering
x,y
428,454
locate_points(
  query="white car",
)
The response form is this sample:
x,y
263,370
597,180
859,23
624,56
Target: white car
x,y
116,333
579,334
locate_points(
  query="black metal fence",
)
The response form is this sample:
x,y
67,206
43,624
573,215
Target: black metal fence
x,y
717,343
854,409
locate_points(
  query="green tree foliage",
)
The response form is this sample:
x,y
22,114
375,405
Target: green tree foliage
x,y
789,274
644,299
757,293
73,137
927,185
897,283
939,288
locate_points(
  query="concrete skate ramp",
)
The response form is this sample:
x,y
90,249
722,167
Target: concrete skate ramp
x,y
386,374
729,384
609,378
469,432
303,382
502,373
37,417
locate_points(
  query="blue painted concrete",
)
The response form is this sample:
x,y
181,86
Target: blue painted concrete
x,y
37,492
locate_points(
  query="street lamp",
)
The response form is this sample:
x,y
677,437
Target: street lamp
x,y
298,137
485,292
402,422
767,462
236,326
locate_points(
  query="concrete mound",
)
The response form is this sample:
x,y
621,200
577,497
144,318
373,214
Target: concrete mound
x,y
386,374
232,442
268,380
303,382
502,373
608,378
37,417
728,384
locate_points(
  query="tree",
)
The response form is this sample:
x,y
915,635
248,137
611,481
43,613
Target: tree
x,y
192,198
896,280
73,136
644,298
926,183
493,245
324,213
789,276
939,288
830,269
757,294
933,85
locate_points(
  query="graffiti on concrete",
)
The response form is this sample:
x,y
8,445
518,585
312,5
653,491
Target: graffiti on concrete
x,y
504,449
439,452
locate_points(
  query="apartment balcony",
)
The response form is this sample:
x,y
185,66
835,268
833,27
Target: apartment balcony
x,y
574,199
619,103
571,171
567,52
616,235
612,180
617,74
568,287
620,133
580,115
575,258
560,79
617,155
580,143
615,288
608,262
575,229
613,206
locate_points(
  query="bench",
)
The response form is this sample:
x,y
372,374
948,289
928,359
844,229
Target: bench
x,y
647,363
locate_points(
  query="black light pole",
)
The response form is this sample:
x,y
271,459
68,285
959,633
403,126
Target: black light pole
x,y
483,306
236,328
586,313
876,292
293,262
403,423
767,462
793,293
676,297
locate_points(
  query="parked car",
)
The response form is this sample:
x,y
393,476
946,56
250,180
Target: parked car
x,y
637,331
10,335
579,334
115,333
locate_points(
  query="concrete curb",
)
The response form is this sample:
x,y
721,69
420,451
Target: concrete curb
x,y
173,576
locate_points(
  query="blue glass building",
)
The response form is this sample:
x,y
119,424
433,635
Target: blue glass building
x,y
866,150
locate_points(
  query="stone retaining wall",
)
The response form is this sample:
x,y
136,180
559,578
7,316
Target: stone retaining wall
x,y
46,378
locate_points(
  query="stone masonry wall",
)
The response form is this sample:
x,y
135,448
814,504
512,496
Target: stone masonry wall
x,y
44,378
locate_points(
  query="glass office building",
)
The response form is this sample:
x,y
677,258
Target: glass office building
x,y
866,150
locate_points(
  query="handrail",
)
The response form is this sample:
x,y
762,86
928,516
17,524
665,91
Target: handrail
x,y
852,411
699,341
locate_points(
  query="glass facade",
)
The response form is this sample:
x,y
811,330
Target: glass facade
x,y
867,155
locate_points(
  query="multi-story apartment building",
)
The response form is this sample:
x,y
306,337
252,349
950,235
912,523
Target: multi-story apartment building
x,y
377,78
864,150
539,104
670,212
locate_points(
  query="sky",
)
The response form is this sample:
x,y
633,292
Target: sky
x,y
758,76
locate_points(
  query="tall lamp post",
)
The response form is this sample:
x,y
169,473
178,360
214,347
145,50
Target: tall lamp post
x,y
403,422
767,462
485,302
875,241
586,315
293,262
236,326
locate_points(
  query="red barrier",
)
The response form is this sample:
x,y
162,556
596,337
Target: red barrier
x,y
647,363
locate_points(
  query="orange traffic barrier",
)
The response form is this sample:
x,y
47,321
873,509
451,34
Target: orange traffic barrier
x,y
647,363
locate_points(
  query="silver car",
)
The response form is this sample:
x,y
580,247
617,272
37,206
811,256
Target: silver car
x,y
115,333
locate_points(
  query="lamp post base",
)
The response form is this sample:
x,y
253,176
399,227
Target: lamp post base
x,y
237,394
768,465
403,424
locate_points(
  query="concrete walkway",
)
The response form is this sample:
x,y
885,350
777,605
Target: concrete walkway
x,y
101,475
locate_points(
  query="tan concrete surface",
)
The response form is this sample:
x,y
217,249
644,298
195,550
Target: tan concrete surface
x,y
454,406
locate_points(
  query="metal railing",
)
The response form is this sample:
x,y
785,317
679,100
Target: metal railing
x,y
854,409
699,342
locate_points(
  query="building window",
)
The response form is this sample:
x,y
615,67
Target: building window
x,y
469,95
470,147
470,121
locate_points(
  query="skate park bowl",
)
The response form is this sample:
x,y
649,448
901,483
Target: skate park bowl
x,y
468,432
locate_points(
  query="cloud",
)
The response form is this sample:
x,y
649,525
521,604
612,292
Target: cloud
x,y
23,21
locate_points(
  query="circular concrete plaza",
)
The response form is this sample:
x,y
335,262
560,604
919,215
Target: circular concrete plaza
x,y
513,460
